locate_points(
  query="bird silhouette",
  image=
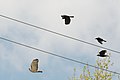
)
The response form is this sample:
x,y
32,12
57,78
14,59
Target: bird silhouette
x,y
100,40
67,18
34,66
102,53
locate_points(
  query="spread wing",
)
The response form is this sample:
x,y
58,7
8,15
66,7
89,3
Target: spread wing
x,y
100,41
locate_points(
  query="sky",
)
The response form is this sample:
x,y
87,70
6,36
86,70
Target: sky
x,y
92,18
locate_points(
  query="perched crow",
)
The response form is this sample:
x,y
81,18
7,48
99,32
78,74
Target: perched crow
x,y
67,18
100,40
102,53
34,66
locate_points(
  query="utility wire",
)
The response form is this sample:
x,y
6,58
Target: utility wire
x,y
60,34
66,58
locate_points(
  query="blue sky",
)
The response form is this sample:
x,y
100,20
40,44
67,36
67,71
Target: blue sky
x,y
93,18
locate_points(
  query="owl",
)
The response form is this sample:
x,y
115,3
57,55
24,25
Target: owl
x,y
34,66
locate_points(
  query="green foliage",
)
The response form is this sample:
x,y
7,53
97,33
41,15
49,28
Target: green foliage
x,y
100,74
86,75
97,74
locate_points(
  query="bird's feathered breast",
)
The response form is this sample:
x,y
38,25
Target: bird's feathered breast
x,y
67,20
34,65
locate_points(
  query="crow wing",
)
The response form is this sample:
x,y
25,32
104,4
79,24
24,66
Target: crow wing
x,y
100,41
102,52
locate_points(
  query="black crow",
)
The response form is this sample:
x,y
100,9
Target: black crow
x,y
67,18
102,53
100,40
34,66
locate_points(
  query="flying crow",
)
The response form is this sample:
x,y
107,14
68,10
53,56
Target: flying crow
x,y
102,53
100,40
67,18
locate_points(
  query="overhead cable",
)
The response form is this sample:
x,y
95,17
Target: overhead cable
x,y
60,34
56,55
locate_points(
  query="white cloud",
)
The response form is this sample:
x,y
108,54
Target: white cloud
x,y
92,18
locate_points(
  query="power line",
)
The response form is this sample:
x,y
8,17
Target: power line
x,y
66,58
60,34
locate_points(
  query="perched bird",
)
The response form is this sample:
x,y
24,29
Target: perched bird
x,y
100,40
34,66
102,53
67,18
